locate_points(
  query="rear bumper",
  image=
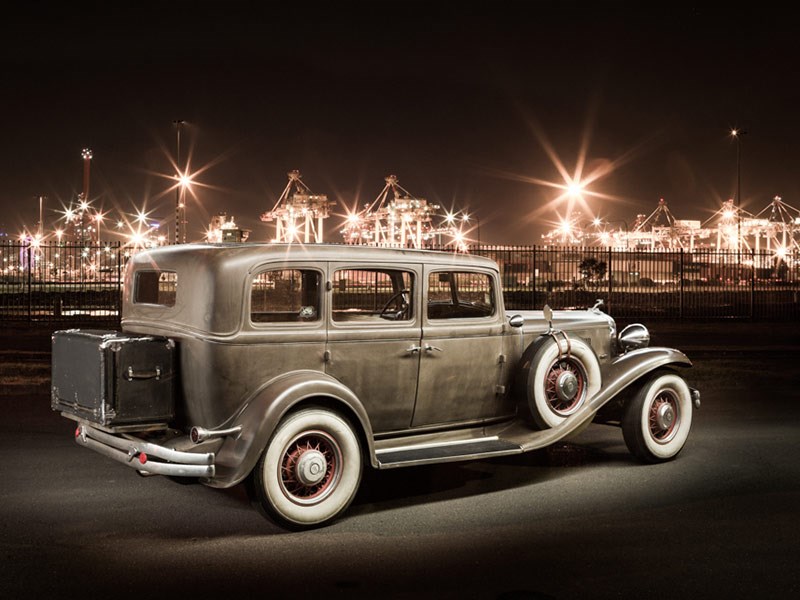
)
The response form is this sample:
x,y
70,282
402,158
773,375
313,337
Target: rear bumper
x,y
145,457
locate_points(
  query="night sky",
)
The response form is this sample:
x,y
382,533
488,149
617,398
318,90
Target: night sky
x,y
459,102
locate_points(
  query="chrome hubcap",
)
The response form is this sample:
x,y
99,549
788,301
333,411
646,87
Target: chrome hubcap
x,y
311,467
567,386
665,417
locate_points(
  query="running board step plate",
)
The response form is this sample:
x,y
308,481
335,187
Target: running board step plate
x,y
445,452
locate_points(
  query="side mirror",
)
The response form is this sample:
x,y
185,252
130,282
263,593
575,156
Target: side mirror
x,y
516,321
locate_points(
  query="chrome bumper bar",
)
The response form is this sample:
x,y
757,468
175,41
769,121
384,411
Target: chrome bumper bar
x,y
139,454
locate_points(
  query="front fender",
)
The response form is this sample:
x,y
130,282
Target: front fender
x,y
622,372
261,414
629,367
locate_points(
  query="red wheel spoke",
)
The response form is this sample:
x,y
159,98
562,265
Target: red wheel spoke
x,y
656,430
312,442
551,382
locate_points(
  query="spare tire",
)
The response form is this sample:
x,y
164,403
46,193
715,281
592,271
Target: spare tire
x,y
558,374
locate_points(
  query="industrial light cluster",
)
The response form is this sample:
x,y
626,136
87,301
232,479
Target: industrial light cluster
x,y
298,214
394,219
398,219
775,229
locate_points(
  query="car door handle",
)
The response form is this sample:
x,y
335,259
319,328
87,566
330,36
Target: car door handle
x,y
429,348
413,349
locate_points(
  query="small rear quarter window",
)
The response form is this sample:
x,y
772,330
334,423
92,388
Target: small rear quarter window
x,y
155,287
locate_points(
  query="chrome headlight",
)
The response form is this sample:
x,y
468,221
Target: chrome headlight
x,y
634,336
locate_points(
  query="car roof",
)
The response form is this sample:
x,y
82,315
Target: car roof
x,y
322,252
212,278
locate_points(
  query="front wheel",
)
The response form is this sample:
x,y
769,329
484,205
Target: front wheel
x,y
658,418
310,471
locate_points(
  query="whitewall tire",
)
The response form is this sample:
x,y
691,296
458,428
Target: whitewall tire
x,y
658,418
310,470
558,379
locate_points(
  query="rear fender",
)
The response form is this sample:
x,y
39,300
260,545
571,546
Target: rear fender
x,y
262,413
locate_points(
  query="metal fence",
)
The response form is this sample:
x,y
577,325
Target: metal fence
x,y
60,282
83,282
676,284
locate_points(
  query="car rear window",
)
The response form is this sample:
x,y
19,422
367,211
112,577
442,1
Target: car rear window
x,y
155,287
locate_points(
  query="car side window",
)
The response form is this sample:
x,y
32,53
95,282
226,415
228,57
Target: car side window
x,y
155,287
460,295
285,296
370,295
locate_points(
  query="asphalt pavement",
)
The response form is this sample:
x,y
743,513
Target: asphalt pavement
x,y
580,519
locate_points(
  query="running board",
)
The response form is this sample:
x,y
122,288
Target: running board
x,y
449,451
502,439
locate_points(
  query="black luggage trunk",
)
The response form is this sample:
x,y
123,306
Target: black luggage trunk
x,y
113,379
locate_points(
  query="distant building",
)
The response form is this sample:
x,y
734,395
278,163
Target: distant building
x,y
224,229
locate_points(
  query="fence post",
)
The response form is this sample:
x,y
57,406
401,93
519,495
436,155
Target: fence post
x,y
680,286
533,279
30,285
610,275
752,283
119,282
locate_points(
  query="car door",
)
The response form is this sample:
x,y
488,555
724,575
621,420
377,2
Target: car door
x,y
461,361
374,334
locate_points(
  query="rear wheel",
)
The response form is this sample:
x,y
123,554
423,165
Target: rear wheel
x,y
658,418
310,471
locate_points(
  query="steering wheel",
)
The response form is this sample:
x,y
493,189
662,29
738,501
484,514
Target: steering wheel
x,y
396,314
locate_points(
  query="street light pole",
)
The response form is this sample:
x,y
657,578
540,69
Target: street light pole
x,y
180,233
737,135
41,218
98,218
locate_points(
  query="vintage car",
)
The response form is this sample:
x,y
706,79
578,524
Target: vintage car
x,y
292,367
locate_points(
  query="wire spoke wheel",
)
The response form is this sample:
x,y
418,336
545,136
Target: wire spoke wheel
x,y
664,416
310,467
565,386
657,419
556,380
310,470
